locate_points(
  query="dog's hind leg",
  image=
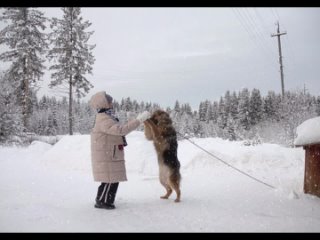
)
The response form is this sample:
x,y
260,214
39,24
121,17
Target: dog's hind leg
x,y
169,191
175,185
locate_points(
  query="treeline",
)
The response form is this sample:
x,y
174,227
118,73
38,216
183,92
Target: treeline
x,y
248,116
245,115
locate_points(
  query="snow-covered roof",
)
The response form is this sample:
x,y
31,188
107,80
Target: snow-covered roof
x,y
308,132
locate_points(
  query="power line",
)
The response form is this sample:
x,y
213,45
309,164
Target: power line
x,y
259,32
252,36
264,27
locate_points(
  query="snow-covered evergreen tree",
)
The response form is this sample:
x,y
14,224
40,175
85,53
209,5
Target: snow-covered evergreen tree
x,y
255,107
243,109
215,112
135,106
233,106
227,103
295,108
222,114
10,112
176,107
231,128
203,109
270,106
127,105
72,54
186,108
27,44
318,106
210,113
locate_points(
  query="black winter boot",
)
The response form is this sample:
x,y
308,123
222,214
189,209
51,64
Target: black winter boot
x,y
100,204
106,195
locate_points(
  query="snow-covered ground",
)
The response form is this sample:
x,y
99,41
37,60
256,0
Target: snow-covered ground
x,y
48,188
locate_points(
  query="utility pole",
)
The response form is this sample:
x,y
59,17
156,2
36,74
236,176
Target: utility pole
x,y
278,34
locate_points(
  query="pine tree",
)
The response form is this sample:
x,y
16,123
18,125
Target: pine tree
x,y
10,112
135,106
27,45
295,108
243,109
270,106
203,108
215,112
73,55
230,128
186,108
222,115
116,105
234,102
177,106
227,102
318,106
127,105
255,107
148,106
50,129
210,113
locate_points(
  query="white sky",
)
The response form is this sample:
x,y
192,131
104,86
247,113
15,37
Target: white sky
x,y
193,54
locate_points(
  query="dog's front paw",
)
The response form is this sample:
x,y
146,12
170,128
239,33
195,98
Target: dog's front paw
x,y
164,197
177,200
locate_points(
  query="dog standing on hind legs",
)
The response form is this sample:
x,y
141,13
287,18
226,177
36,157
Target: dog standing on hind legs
x,y
158,128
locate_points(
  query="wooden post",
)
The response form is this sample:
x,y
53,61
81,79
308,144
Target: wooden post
x,y
312,170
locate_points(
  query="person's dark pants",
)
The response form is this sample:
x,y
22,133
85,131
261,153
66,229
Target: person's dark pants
x,y
107,193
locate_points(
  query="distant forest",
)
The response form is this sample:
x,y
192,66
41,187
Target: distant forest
x,y
237,116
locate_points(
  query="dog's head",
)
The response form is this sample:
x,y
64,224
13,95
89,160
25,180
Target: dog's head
x,y
161,118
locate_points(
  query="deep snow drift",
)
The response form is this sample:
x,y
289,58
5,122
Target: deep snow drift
x,y
48,188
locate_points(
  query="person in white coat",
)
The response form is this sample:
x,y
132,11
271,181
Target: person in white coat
x,y
107,148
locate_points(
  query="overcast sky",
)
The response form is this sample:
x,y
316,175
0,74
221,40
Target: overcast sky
x,y
193,54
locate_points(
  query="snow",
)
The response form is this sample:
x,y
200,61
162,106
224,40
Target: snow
x,y
308,132
47,188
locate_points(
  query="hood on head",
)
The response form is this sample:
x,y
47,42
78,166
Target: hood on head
x,y
100,100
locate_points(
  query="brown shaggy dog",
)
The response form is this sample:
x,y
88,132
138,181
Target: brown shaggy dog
x,y
158,128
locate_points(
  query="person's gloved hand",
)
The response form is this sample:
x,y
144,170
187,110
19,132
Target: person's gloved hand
x,y
143,116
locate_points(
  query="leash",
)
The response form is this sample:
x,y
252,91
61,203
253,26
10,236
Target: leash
x,y
229,165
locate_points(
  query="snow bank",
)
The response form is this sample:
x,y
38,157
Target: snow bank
x,y
73,152
70,152
308,132
39,147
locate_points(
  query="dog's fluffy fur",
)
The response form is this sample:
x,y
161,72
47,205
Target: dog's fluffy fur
x,y
158,128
